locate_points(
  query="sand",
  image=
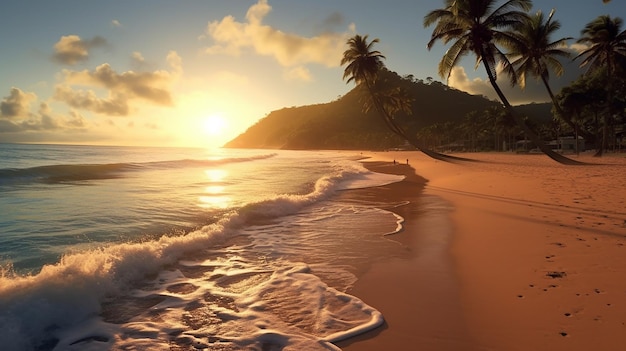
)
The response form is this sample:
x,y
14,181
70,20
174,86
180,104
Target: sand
x,y
516,252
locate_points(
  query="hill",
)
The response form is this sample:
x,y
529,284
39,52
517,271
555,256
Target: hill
x,y
341,124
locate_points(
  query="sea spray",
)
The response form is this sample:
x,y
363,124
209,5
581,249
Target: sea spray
x,y
248,277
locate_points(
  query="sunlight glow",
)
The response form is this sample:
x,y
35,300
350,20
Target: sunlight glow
x,y
216,174
215,197
215,189
214,201
214,125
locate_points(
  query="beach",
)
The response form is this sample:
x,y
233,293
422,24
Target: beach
x,y
295,250
517,252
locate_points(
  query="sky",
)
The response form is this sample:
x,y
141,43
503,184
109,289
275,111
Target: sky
x,y
199,73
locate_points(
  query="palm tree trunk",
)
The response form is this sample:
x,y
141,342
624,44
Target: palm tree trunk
x,y
586,135
527,131
409,137
609,107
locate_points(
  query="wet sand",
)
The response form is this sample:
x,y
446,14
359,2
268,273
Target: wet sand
x,y
515,252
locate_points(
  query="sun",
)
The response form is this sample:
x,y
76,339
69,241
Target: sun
x,y
214,125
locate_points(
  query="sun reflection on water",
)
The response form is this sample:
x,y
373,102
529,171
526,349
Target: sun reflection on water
x,y
216,175
215,194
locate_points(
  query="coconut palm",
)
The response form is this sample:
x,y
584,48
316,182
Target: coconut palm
x,y
480,27
605,41
363,65
535,54
606,48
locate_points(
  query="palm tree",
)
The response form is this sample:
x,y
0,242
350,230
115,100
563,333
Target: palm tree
x,y
480,27
606,48
363,65
536,55
606,43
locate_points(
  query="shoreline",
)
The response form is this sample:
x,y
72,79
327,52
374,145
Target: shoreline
x,y
533,260
418,296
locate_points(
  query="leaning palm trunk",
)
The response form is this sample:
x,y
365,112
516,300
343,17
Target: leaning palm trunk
x,y
567,119
409,137
520,122
609,112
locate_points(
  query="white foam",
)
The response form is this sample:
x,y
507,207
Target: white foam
x,y
287,307
232,298
371,179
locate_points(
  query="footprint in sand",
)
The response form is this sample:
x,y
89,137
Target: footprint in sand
x,y
556,274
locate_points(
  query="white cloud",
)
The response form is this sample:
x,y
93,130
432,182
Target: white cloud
x,y
115,23
232,37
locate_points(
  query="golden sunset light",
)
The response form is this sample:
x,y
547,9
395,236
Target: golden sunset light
x,y
313,175
112,83
214,125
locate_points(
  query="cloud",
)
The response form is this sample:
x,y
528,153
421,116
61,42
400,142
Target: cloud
x,y
76,120
115,23
18,117
71,49
17,104
231,37
114,105
138,57
298,73
175,62
152,87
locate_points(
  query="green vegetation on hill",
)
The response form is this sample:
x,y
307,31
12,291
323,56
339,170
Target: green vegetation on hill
x,y
341,124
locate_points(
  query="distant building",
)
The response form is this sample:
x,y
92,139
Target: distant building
x,y
567,144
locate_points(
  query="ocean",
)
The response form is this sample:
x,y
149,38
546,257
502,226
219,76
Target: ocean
x,y
131,248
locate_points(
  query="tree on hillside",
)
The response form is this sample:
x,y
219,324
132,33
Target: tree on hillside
x,y
480,27
606,49
363,65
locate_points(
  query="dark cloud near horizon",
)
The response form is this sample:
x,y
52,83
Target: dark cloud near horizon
x,y
71,49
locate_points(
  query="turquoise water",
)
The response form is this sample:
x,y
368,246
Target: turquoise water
x,y
144,248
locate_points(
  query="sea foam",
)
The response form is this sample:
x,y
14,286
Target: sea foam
x,y
200,289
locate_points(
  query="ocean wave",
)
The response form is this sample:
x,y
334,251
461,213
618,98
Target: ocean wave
x,y
64,306
68,173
